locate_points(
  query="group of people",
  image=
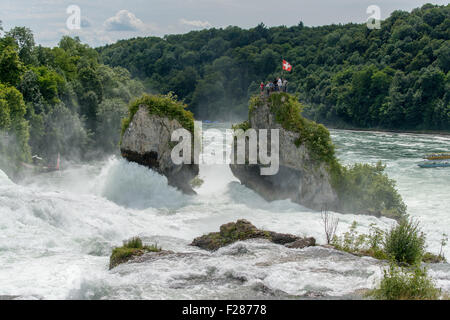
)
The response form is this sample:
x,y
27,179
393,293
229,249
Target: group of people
x,y
277,85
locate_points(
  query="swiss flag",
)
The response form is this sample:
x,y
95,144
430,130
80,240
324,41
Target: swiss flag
x,y
286,66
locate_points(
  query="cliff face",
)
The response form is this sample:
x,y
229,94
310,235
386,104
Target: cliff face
x,y
147,141
301,178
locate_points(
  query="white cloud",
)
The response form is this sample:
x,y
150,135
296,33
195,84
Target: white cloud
x,y
196,23
158,18
124,21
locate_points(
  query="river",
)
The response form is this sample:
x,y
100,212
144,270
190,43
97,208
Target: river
x,y
57,230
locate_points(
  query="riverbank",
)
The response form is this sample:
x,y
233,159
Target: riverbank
x,y
339,124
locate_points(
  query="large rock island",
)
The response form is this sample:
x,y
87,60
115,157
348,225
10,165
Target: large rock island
x,y
309,172
146,138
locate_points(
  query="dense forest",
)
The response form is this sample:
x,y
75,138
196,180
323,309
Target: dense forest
x,y
59,100
396,77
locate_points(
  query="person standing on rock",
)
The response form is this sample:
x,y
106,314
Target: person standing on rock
x,y
280,84
261,87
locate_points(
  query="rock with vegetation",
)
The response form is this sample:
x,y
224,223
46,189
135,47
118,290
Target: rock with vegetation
x,y
244,230
303,175
404,247
403,244
309,172
146,138
131,249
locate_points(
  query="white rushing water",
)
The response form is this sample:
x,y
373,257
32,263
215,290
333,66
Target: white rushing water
x,y
57,230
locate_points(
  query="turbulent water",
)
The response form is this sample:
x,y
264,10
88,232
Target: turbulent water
x,y
57,230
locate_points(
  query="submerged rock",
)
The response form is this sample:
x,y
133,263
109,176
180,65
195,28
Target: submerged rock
x,y
302,243
147,140
244,230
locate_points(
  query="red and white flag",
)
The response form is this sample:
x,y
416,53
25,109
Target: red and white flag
x,y
286,66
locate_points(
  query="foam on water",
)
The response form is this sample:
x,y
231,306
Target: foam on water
x,y
132,185
4,180
57,231
269,271
51,239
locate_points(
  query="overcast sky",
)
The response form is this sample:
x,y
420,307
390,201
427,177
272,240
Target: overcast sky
x,y
107,21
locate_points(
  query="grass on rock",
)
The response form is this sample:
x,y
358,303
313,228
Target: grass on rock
x,y
131,248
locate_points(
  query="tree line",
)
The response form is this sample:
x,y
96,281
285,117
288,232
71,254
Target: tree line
x,y
70,99
58,100
396,77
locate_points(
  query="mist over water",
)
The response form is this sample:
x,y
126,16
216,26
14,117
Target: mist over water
x,y
57,230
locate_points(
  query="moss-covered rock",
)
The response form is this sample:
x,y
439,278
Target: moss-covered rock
x,y
310,174
130,249
147,138
163,106
244,230
287,110
302,176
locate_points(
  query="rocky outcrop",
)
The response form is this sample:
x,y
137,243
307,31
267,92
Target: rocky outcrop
x,y
309,171
244,230
147,141
300,178
131,250
136,256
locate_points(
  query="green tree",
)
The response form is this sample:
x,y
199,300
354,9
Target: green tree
x,y
345,74
49,83
25,41
11,67
13,123
109,116
65,134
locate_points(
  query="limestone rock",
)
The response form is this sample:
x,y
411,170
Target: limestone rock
x,y
300,178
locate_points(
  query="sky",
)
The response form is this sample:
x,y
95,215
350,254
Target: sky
x,y
104,22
